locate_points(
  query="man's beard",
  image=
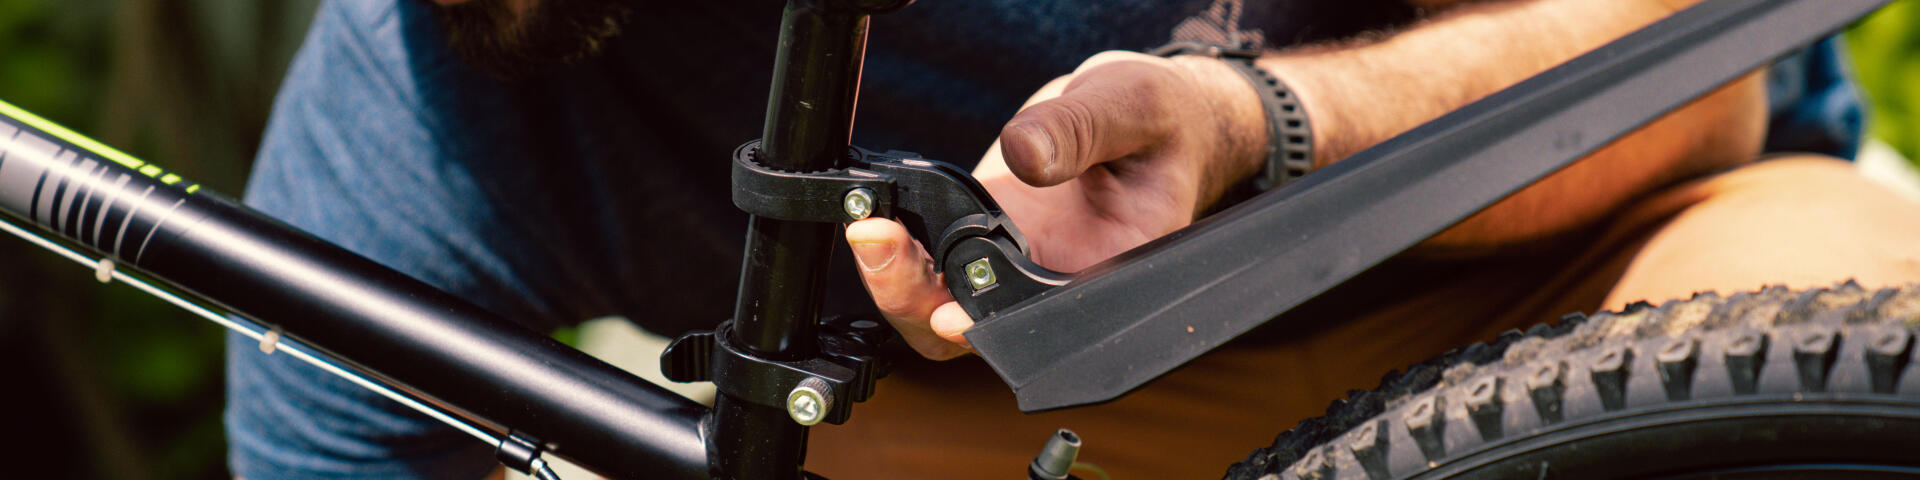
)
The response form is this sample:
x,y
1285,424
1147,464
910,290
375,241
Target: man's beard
x,y
491,38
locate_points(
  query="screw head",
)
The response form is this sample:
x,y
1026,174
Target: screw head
x,y
807,404
980,274
859,203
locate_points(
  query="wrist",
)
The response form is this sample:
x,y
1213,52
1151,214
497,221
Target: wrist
x,y
1237,148
1289,152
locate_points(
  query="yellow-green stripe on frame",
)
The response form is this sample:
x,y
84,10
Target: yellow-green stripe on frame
x,y
82,141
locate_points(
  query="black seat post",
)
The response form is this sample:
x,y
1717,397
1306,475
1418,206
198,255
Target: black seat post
x,y
809,127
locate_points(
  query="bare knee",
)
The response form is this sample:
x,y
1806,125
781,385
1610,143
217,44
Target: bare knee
x,y
1800,221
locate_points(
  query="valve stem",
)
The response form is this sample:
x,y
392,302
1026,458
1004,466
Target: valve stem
x,y
1056,458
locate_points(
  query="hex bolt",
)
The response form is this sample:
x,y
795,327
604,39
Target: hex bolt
x,y
859,203
980,274
809,402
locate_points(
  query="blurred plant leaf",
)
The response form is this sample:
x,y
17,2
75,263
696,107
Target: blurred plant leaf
x,y
1886,53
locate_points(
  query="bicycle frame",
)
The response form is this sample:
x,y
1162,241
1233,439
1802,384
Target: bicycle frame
x,y
526,393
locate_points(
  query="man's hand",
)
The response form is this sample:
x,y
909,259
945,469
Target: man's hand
x,y
1127,148
1130,147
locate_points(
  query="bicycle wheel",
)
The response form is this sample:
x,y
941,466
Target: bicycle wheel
x,y
1768,384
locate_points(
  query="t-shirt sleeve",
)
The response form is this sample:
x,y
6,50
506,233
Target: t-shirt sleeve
x,y
1814,103
343,158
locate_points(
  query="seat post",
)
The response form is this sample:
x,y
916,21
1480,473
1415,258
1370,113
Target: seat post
x,y
809,127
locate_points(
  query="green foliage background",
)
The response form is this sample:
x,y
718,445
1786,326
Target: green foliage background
x,y
1884,50
119,385
110,383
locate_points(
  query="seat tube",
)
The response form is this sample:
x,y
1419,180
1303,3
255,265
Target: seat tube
x,y
809,127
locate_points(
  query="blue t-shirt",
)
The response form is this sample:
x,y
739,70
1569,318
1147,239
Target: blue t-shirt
x,y
600,188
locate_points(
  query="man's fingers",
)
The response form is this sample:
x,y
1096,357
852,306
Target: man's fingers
x,y
1106,112
901,280
950,321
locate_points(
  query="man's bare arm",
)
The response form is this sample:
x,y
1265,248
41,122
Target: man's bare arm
x,y
1131,147
1368,90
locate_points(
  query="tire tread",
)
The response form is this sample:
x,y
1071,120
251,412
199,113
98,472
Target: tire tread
x,y
1581,367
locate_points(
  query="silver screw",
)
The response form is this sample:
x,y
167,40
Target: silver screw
x,y
808,403
859,203
980,274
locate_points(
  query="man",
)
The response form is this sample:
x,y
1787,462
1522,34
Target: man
x,y
572,166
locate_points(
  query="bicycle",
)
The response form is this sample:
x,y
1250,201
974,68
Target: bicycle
x,y
780,372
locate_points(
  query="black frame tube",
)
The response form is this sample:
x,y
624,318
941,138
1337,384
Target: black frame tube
x,y
408,334
809,127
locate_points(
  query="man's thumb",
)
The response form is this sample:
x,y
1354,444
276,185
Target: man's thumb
x,y
1105,113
